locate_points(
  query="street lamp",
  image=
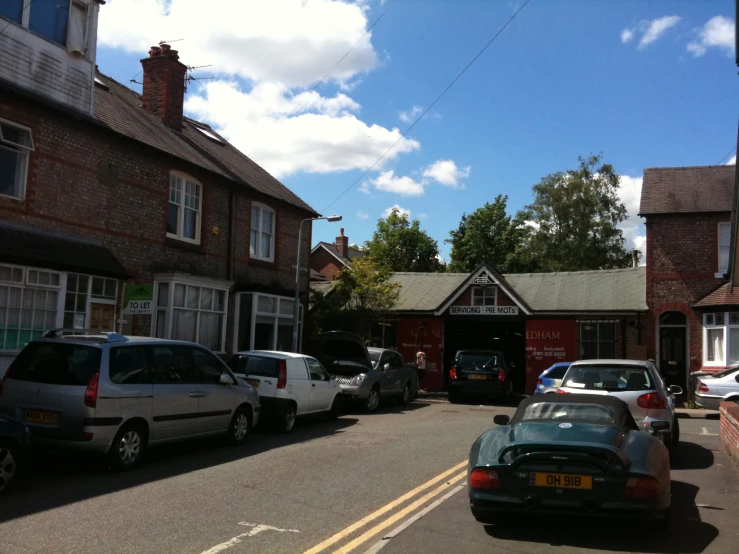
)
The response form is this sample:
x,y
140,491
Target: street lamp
x,y
296,308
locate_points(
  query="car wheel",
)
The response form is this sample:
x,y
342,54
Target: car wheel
x,y
373,400
9,456
238,430
128,447
287,420
675,432
406,396
335,411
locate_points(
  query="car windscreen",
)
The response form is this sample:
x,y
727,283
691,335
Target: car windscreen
x,y
255,365
557,372
611,378
478,359
374,357
562,411
56,364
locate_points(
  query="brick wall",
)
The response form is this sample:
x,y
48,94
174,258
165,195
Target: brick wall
x,y
326,264
730,428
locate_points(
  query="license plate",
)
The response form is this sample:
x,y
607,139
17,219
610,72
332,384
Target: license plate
x,y
479,377
253,382
562,481
40,417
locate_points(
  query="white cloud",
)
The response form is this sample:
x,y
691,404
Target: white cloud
x,y
405,186
362,215
422,216
732,161
717,32
410,115
447,173
365,188
657,28
633,227
402,211
627,35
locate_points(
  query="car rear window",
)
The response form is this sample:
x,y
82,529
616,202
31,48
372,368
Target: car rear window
x,y
256,365
609,378
479,359
596,413
56,364
725,372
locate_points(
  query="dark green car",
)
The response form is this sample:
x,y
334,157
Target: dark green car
x,y
571,454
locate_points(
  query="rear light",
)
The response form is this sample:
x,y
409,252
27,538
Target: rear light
x,y
91,392
652,401
453,373
538,382
702,387
641,487
560,391
484,479
501,376
282,379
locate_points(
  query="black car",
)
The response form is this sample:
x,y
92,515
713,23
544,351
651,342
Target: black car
x,y
14,444
479,373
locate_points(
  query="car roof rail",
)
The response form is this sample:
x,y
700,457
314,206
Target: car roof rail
x,y
111,336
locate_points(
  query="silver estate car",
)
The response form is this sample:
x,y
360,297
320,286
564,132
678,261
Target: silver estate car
x,y
115,395
719,387
639,384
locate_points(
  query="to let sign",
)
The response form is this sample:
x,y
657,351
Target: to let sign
x,y
483,310
138,299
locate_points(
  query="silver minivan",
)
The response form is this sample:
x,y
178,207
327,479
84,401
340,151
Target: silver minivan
x,y
117,395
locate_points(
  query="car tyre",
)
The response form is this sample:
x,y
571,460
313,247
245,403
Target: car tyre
x,y
373,400
9,464
239,428
335,411
286,422
405,396
128,447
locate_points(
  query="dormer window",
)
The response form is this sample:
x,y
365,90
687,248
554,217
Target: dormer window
x,y
183,211
64,22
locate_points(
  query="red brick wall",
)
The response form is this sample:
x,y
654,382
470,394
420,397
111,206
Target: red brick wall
x,y
326,264
682,261
730,428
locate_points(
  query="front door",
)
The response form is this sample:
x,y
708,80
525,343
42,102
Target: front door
x,y
672,359
102,317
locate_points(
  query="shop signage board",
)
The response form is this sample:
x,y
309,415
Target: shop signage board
x,y
483,310
548,341
138,299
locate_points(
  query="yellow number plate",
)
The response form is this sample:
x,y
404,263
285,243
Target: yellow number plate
x,y
253,382
562,481
480,377
41,417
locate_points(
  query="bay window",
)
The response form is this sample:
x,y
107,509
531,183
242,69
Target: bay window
x,y
721,338
262,239
264,322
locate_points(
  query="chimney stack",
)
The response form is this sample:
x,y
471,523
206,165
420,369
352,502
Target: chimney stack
x,y
634,258
342,244
164,85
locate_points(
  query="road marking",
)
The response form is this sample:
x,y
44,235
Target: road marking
x,y
402,513
379,545
256,528
374,515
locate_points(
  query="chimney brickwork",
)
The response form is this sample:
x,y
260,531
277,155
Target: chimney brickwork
x,y
342,244
164,85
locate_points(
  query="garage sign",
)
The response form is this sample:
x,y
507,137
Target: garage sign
x,y
483,310
138,299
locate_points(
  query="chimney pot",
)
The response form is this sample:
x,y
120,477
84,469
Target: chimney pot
x,y
634,258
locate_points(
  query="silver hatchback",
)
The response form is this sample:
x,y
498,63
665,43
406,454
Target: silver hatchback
x,y
116,395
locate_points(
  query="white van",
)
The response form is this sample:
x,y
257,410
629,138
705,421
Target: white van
x,y
289,385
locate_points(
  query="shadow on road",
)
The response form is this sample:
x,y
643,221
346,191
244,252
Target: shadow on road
x,y
59,478
688,534
689,455
386,407
511,401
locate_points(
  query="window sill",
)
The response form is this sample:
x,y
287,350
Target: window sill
x,y
16,198
720,275
183,245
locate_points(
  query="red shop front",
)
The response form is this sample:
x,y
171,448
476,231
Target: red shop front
x,y
548,341
424,335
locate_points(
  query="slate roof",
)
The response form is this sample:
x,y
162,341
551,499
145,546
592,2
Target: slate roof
x,y
426,292
723,296
119,108
671,190
353,252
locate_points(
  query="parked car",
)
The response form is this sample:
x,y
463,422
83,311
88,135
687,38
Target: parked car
x,y
479,372
381,356
14,447
289,385
551,379
115,395
347,360
637,383
572,454
718,387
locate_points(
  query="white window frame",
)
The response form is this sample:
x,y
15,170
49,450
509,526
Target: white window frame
x,y
21,150
253,318
254,246
485,295
184,179
722,271
726,327
192,281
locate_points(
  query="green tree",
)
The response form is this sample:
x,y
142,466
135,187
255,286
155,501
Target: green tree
x,y
400,245
572,221
486,235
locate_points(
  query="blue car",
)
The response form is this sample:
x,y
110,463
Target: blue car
x,y
14,445
551,379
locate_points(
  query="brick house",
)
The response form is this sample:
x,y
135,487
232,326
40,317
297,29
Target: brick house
x,y
330,259
688,220
101,187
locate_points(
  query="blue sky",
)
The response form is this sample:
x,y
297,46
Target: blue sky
x,y
648,84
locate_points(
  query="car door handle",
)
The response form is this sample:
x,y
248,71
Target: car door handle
x,y
312,384
198,394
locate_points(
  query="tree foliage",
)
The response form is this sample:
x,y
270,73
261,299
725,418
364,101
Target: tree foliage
x,y
399,244
365,287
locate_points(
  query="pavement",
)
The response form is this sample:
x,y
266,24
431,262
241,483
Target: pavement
x,y
337,487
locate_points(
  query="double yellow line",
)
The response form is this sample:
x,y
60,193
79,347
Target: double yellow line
x,y
385,523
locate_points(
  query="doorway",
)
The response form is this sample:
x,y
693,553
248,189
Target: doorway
x,y
102,317
673,335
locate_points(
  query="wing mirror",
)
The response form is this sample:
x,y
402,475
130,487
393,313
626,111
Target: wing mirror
x,y
675,389
660,425
387,367
501,419
226,379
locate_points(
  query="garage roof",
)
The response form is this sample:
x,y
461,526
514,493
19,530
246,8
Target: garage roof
x,y
425,292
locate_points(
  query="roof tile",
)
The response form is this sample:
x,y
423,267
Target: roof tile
x,y
670,190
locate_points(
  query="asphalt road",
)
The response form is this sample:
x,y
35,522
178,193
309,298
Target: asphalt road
x,y
335,487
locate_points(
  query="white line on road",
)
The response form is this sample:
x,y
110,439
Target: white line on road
x,y
410,521
256,528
